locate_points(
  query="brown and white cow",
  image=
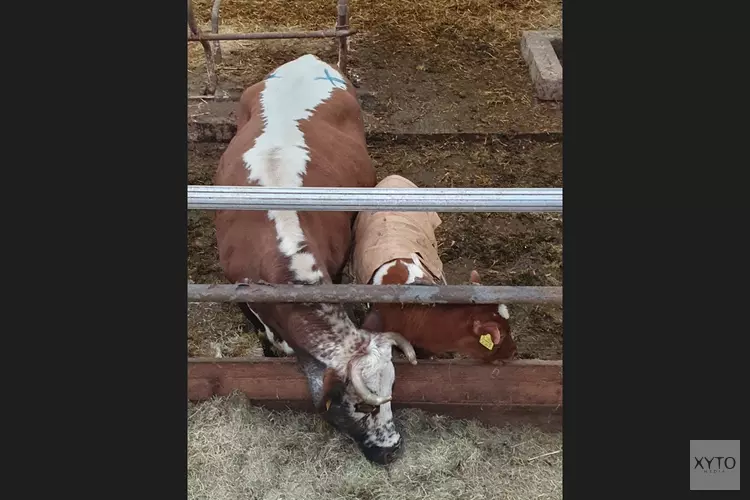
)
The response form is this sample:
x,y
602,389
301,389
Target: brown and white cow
x,y
400,248
302,127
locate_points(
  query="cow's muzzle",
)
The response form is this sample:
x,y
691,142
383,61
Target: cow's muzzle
x,y
384,456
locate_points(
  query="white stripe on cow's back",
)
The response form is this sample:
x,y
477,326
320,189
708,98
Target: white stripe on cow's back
x,y
280,155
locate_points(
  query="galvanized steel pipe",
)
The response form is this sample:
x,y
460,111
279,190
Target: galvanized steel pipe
x,y
373,199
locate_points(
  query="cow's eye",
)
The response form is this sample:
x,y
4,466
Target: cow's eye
x,y
366,408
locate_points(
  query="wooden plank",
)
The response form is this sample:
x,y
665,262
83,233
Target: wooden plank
x,y
214,121
523,391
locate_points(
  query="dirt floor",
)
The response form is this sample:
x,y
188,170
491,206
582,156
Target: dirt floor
x,y
290,455
506,249
425,67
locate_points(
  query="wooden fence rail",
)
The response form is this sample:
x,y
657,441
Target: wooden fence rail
x,y
523,391
213,55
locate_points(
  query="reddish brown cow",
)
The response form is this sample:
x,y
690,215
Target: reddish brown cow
x,y
302,127
399,248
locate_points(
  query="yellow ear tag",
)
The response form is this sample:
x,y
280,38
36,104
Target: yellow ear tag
x,y
328,404
486,341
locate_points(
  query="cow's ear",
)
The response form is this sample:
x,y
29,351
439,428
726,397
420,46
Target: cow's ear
x,y
325,387
489,328
373,321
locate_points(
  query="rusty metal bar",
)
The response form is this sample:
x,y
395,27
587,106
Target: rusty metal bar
x,y
215,30
377,294
342,23
210,65
272,36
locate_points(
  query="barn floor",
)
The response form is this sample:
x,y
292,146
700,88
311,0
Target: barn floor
x,y
506,249
428,67
239,451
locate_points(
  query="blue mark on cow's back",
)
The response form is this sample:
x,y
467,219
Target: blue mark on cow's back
x,y
332,79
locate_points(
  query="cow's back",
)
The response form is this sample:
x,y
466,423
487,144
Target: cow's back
x,y
280,143
384,236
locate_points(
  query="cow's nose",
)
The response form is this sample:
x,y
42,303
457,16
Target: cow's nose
x,y
384,455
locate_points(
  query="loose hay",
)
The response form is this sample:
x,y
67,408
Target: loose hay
x,y
237,451
219,331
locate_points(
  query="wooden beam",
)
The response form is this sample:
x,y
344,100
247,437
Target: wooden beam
x,y
523,391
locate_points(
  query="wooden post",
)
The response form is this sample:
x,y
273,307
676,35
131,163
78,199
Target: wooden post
x,y
342,23
215,29
210,66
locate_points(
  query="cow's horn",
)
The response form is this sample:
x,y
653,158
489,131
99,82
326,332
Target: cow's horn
x,y
361,389
398,340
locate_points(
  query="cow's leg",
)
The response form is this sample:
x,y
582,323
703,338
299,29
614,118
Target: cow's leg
x,y
259,328
271,343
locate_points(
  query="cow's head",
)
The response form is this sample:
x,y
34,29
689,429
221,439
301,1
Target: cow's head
x,y
490,322
360,404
